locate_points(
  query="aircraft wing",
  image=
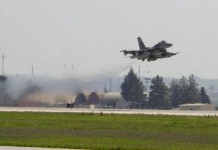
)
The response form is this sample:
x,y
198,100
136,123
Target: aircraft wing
x,y
167,55
132,52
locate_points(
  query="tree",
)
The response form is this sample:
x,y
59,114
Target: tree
x,y
204,98
159,96
184,91
175,90
132,89
178,90
193,91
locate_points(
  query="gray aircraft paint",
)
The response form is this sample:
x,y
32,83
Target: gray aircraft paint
x,y
158,51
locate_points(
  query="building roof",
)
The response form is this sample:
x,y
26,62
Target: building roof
x,y
112,96
196,104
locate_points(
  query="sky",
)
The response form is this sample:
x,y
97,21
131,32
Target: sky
x,y
85,37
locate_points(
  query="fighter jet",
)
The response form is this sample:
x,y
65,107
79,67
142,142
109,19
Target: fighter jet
x,y
158,51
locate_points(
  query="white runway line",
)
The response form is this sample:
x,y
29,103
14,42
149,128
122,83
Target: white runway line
x,y
111,111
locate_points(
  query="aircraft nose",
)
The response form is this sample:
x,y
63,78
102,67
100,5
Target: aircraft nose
x,y
174,53
169,45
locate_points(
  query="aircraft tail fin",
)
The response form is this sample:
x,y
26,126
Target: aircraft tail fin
x,y
141,44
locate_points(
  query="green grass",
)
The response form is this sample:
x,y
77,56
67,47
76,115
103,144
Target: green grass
x,y
97,131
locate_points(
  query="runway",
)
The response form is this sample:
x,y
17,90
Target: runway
x,y
111,111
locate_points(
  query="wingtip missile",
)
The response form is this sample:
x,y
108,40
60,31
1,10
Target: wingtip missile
x,y
124,51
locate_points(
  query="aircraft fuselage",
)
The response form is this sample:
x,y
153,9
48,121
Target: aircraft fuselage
x,y
150,53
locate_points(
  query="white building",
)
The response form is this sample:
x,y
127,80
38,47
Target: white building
x,y
197,106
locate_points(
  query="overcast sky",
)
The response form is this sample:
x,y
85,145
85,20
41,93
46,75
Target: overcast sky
x,y
89,34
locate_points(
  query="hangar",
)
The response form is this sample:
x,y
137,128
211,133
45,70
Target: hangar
x,y
197,106
86,98
104,100
113,100
93,99
80,99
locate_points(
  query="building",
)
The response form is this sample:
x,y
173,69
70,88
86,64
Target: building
x,y
85,99
102,100
197,106
113,100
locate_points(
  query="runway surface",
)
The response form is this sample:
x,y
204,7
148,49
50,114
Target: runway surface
x,y
111,111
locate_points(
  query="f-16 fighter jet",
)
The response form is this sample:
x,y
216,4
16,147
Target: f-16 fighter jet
x,y
158,51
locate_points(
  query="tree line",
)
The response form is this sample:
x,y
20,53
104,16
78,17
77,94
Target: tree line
x,y
180,91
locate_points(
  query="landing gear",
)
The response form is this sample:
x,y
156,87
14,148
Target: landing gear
x,y
152,59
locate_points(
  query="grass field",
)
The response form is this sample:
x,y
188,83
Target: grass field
x,y
100,131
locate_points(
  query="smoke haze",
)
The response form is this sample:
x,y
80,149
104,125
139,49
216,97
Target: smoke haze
x,y
23,90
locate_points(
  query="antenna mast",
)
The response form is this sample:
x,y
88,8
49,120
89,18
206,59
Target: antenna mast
x,y
110,84
32,70
3,57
